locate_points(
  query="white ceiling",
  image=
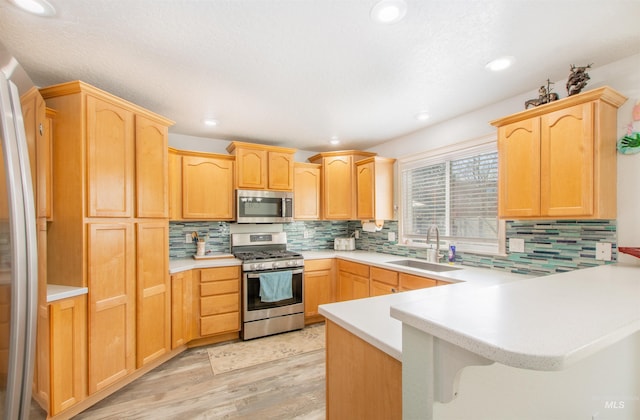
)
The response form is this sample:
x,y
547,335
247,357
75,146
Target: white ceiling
x,y
295,73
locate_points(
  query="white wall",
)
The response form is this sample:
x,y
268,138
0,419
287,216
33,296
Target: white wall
x,y
623,75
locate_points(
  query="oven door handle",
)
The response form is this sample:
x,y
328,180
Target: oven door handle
x,y
257,275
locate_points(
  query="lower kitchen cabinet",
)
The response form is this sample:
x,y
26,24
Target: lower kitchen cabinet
x,y
68,352
61,357
181,308
318,287
111,315
411,282
353,280
218,301
363,382
153,297
383,282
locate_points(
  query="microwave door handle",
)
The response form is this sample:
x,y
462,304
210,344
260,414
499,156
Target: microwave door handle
x,y
283,210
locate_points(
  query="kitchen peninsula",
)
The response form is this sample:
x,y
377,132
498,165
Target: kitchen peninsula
x,y
571,339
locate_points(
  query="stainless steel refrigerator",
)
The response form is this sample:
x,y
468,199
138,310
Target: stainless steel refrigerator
x,y
18,251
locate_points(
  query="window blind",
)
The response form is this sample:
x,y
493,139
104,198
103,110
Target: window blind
x,y
457,192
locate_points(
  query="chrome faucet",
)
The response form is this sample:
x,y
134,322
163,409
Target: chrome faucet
x,y
433,255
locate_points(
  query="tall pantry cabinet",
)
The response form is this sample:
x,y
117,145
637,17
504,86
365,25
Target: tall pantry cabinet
x,y
110,229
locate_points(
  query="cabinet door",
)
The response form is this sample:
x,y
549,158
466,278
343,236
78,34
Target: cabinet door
x,y
34,117
110,151
181,308
365,186
567,157
317,291
252,168
306,192
411,282
68,353
383,282
112,291
338,188
280,171
153,301
152,193
44,167
175,186
207,188
519,169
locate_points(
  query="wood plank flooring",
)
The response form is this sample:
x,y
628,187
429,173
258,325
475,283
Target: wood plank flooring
x,y
185,388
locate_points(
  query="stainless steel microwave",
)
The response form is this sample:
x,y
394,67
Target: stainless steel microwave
x,y
257,206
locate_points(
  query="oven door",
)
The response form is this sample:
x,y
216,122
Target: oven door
x,y
256,307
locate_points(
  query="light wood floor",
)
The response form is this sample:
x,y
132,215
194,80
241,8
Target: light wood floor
x,y
185,388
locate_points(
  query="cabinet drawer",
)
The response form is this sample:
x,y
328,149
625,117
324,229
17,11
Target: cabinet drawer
x,y
377,289
216,324
220,273
316,265
219,287
410,282
354,268
384,276
213,305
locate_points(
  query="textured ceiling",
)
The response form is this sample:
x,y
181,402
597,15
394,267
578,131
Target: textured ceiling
x,y
295,73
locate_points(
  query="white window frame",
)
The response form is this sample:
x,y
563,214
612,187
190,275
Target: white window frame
x,y
477,146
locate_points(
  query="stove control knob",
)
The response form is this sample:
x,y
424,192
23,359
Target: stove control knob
x,y
275,264
260,266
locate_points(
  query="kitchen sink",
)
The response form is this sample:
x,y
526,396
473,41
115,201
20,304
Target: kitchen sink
x,y
421,265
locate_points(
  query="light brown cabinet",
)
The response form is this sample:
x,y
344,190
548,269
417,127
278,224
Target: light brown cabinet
x,y
262,167
110,158
152,188
306,191
411,282
374,181
181,308
110,228
218,301
383,282
363,382
339,183
318,287
111,279
68,353
201,186
153,293
353,280
559,160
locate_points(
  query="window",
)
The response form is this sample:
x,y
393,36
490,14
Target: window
x,y
456,189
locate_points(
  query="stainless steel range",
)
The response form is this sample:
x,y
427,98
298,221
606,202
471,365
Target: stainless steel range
x,y
272,284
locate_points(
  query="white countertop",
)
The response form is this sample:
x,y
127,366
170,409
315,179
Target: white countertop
x,y
370,318
545,323
59,292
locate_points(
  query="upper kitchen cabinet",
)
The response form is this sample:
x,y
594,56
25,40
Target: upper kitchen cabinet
x,y
110,158
201,186
374,185
260,167
306,191
152,190
339,183
559,160
106,154
38,121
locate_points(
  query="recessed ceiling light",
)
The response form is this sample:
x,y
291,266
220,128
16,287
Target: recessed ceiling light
x,y
211,122
422,116
388,11
35,7
501,63
334,140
